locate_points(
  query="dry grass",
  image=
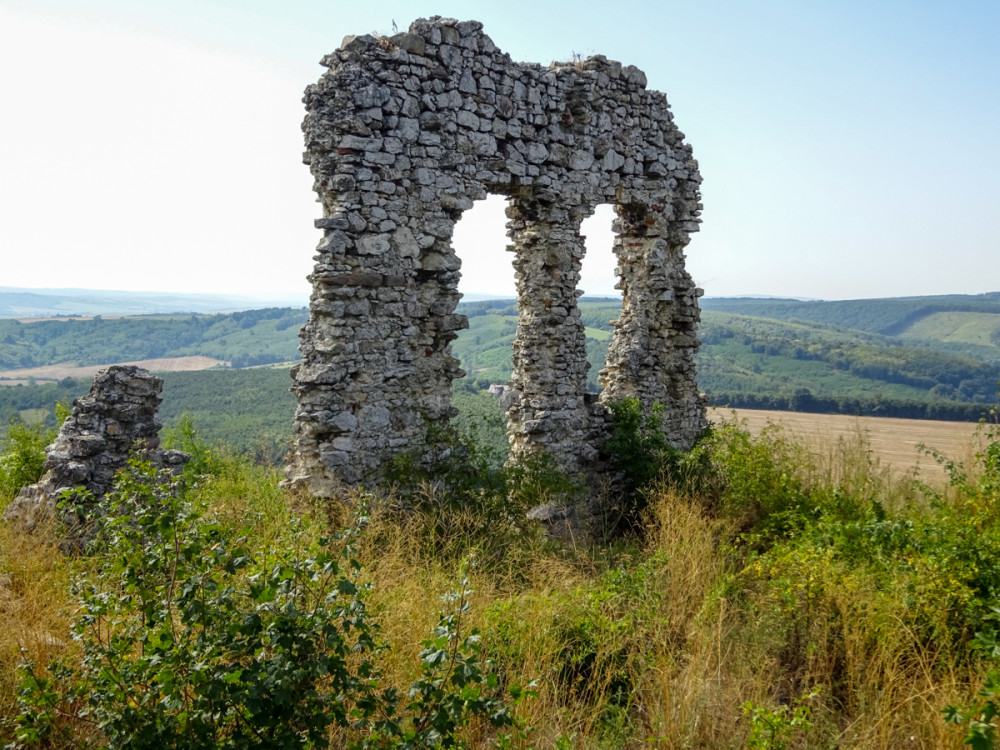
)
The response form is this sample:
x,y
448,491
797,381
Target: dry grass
x,y
657,644
36,607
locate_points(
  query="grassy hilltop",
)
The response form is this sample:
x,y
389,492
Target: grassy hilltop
x,y
753,593
758,596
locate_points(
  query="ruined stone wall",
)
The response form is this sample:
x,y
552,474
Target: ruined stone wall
x,y
402,135
117,417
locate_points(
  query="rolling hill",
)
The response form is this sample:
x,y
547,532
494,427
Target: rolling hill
x,y
944,364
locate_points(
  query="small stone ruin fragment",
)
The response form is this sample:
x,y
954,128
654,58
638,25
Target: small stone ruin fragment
x,y
116,418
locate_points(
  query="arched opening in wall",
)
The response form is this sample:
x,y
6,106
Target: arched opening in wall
x,y
601,302
489,300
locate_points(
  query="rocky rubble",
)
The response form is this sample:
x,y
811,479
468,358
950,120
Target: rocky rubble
x,y
402,134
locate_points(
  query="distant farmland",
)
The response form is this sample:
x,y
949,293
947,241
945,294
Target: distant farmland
x,y
893,442
72,370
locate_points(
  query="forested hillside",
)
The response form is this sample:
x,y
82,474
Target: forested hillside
x,y
755,362
249,410
251,337
890,317
943,367
760,363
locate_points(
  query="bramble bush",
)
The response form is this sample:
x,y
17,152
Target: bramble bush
x,y
774,728
468,504
979,716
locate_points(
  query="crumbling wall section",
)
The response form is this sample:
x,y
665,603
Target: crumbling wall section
x,y
117,417
403,134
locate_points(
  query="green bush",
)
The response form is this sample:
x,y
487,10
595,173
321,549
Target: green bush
x,y
467,503
184,437
22,454
756,481
773,728
190,640
638,450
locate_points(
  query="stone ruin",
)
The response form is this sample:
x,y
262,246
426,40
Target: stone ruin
x,y
117,417
403,134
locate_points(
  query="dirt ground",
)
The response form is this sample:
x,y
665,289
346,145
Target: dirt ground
x,y
895,442
70,370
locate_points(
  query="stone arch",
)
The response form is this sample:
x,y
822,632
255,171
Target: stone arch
x,y
403,134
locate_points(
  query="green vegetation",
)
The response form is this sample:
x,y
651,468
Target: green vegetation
x,y
22,453
751,595
481,422
938,368
760,363
763,598
253,337
249,410
982,329
639,452
190,638
35,404
890,317
756,362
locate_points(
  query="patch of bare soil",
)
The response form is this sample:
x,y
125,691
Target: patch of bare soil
x,y
895,442
71,370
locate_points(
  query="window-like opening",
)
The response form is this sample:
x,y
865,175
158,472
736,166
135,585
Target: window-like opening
x,y
601,302
489,300
480,239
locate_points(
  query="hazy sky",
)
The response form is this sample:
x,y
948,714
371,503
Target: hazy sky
x,y
848,148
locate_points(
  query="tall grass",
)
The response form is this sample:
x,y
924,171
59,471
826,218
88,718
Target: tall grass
x,y
763,576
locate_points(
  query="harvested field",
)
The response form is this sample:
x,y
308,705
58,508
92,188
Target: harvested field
x,y
64,318
894,442
71,370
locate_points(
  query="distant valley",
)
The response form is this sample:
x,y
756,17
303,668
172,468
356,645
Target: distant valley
x,y
920,357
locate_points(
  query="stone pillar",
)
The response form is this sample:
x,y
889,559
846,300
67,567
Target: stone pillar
x,y
376,362
651,357
547,405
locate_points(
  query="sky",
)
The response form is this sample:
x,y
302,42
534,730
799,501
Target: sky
x,y
849,148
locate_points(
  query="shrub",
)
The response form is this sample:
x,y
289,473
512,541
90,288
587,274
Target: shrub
x,y
979,716
466,503
22,454
638,450
189,639
756,481
772,729
184,437
185,646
